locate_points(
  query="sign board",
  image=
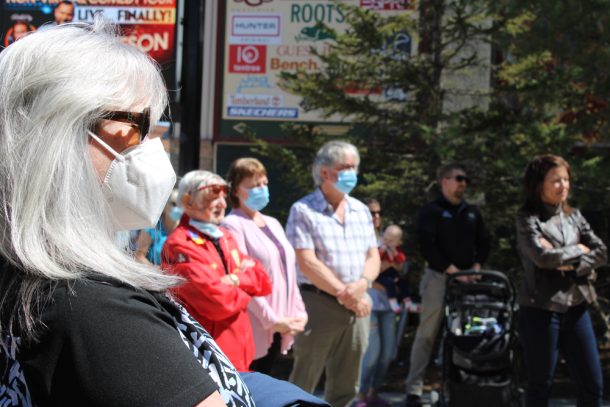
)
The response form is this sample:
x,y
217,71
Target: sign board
x,y
265,37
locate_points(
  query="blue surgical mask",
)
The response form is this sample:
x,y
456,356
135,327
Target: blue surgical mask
x,y
176,213
346,181
258,198
208,229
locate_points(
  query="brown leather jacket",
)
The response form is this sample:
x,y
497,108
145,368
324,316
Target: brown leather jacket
x,y
545,285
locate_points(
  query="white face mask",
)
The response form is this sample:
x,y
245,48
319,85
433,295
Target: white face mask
x,y
138,184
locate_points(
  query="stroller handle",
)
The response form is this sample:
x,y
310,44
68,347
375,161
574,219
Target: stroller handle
x,y
490,276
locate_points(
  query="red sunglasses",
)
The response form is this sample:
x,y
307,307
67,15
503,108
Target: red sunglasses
x,y
216,189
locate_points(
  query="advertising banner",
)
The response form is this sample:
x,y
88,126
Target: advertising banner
x,y
148,24
265,37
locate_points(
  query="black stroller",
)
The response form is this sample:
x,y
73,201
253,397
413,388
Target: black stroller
x,y
478,351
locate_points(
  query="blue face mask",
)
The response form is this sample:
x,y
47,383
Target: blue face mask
x,y
258,198
347,180
208,229
176,213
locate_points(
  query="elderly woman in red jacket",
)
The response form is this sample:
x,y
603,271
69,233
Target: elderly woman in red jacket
x,y
221,279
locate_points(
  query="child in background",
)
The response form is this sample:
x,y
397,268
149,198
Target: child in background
x,y
392,262
149,242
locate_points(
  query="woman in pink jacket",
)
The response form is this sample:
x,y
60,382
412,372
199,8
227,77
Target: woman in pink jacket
x,y
277,317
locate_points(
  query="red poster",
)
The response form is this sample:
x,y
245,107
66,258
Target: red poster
x,y
147,24
156,40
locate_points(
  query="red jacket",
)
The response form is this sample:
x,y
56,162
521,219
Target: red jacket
x,y
399,257
221,309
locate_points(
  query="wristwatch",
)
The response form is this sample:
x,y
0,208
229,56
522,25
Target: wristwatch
x,y
369,282
234,279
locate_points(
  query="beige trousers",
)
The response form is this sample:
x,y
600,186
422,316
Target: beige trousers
x,y
432,289
334,341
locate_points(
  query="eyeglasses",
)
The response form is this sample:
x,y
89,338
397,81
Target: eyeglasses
x,y
140,120
375,213
461,178
215,189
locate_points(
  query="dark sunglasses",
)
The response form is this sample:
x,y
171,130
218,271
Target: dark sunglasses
x,y
140,120
461,178
373,213
215,189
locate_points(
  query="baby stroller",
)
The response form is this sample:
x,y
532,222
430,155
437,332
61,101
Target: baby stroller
x,y
478,352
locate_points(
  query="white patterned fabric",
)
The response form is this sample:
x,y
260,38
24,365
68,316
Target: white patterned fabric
x,y
233,390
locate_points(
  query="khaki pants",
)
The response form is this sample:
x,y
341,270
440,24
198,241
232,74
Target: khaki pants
x,y
432,289
334,340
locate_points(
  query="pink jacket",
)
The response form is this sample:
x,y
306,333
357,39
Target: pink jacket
x,y
285,298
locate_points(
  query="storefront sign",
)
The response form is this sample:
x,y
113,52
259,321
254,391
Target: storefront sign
x,y
280,35
255,29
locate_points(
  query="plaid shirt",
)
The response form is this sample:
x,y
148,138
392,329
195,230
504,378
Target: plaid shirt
x,y
342,247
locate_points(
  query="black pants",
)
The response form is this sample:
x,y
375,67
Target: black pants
x,y
265,364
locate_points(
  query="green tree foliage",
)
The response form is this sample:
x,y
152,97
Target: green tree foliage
x,y
291,162
396,134
552,90
549,94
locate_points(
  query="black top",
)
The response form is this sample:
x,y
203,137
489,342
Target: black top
x,y
452,234
109,344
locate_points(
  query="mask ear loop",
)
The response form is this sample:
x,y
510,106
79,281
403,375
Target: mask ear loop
x,y
106,146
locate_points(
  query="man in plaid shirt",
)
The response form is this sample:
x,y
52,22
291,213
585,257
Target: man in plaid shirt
x,y
336,249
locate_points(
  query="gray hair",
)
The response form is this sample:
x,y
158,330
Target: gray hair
x,y
56,225
330,154
196,179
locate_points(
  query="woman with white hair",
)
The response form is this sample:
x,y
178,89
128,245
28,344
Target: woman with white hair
x,y
81,322
221,279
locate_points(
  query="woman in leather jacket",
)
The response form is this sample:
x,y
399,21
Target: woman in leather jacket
x,y
559,253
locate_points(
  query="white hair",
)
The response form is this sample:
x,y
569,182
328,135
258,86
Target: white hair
x,y
55,84
330,154
195,179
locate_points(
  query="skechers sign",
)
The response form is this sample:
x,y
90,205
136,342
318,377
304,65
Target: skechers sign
x,y
263,112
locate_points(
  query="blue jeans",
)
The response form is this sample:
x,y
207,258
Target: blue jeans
x,y
382,339
543,335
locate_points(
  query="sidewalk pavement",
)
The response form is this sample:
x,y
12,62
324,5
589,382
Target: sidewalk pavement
x,y
398,400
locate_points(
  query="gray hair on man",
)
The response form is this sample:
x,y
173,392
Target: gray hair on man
x,y
56,224
195,179
330,154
